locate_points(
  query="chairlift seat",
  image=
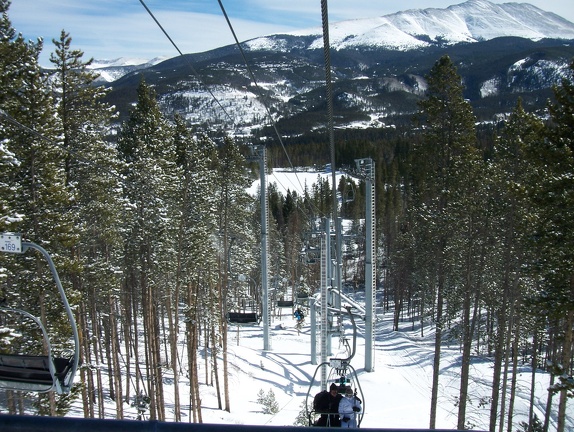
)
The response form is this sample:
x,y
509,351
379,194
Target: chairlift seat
x,y
242,317
33,369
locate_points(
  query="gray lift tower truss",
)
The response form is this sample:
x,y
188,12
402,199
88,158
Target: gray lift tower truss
x,y
366,169
261,154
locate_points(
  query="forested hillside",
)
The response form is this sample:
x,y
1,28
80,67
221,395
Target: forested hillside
x,y
150,225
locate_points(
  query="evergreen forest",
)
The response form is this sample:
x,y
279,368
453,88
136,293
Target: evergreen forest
x,y
151,226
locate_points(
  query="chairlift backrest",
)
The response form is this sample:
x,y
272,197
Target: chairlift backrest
x,y
285,303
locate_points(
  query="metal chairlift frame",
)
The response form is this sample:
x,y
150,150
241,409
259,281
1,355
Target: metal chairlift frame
x,y
341,367
38,373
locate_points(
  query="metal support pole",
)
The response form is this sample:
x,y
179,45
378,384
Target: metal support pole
x,y
264,249
367,168
313,330
325,283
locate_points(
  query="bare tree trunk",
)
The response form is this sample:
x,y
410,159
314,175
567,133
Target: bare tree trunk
x,y
194,366
10,402
129,348
533,379
208,380
548,411
214,352
86,375
107,327
437,347
497,367
157,358
148,350
515,345
223,332
465,367
566,360
174,333
507,355
98,357
115,348
551,357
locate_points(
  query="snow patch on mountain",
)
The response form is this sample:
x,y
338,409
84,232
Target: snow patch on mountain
x,y
490,87
242,103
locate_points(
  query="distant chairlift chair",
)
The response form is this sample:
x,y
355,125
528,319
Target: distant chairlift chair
x,y
248,316
35,373
285,304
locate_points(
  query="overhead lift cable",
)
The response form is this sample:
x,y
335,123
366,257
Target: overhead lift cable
x,y
211,93
187,61
255,82
251,75
272,121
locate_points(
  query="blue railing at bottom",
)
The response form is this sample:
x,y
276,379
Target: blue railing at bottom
x,y
13,423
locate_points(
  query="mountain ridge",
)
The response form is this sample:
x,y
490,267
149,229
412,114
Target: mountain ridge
x,y
340,31
374,85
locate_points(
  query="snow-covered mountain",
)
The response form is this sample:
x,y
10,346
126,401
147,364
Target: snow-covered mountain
x,y
502,52
471,21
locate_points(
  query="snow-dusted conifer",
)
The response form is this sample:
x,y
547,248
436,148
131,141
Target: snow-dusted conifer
x,y
145,146
445,164
91,176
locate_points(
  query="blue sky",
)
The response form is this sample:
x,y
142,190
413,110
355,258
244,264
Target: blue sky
x,y
108,29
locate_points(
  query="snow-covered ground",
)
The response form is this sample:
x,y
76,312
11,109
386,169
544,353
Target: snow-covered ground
x,y
396,393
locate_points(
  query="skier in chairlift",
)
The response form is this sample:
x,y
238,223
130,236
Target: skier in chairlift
x,y
349,406
326,403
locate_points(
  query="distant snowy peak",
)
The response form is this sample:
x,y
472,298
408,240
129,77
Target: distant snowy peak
x,y
471,21
111,70
125,61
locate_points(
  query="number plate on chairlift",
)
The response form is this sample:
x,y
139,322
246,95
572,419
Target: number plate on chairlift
x,y
11,243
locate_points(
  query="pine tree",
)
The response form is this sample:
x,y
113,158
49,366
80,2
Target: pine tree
x,y
145,145
508,178
445,168
15,59
554,202
91,176
195,251
36,193
14,52
233,216
268,401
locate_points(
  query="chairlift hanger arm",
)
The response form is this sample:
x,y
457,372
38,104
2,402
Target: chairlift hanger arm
x,y
72,320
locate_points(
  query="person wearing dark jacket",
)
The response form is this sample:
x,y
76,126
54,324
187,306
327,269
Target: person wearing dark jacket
x,y
327,404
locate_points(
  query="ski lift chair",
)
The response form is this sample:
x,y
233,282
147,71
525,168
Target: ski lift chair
x,y
38,373
242,317
248,315
342,374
